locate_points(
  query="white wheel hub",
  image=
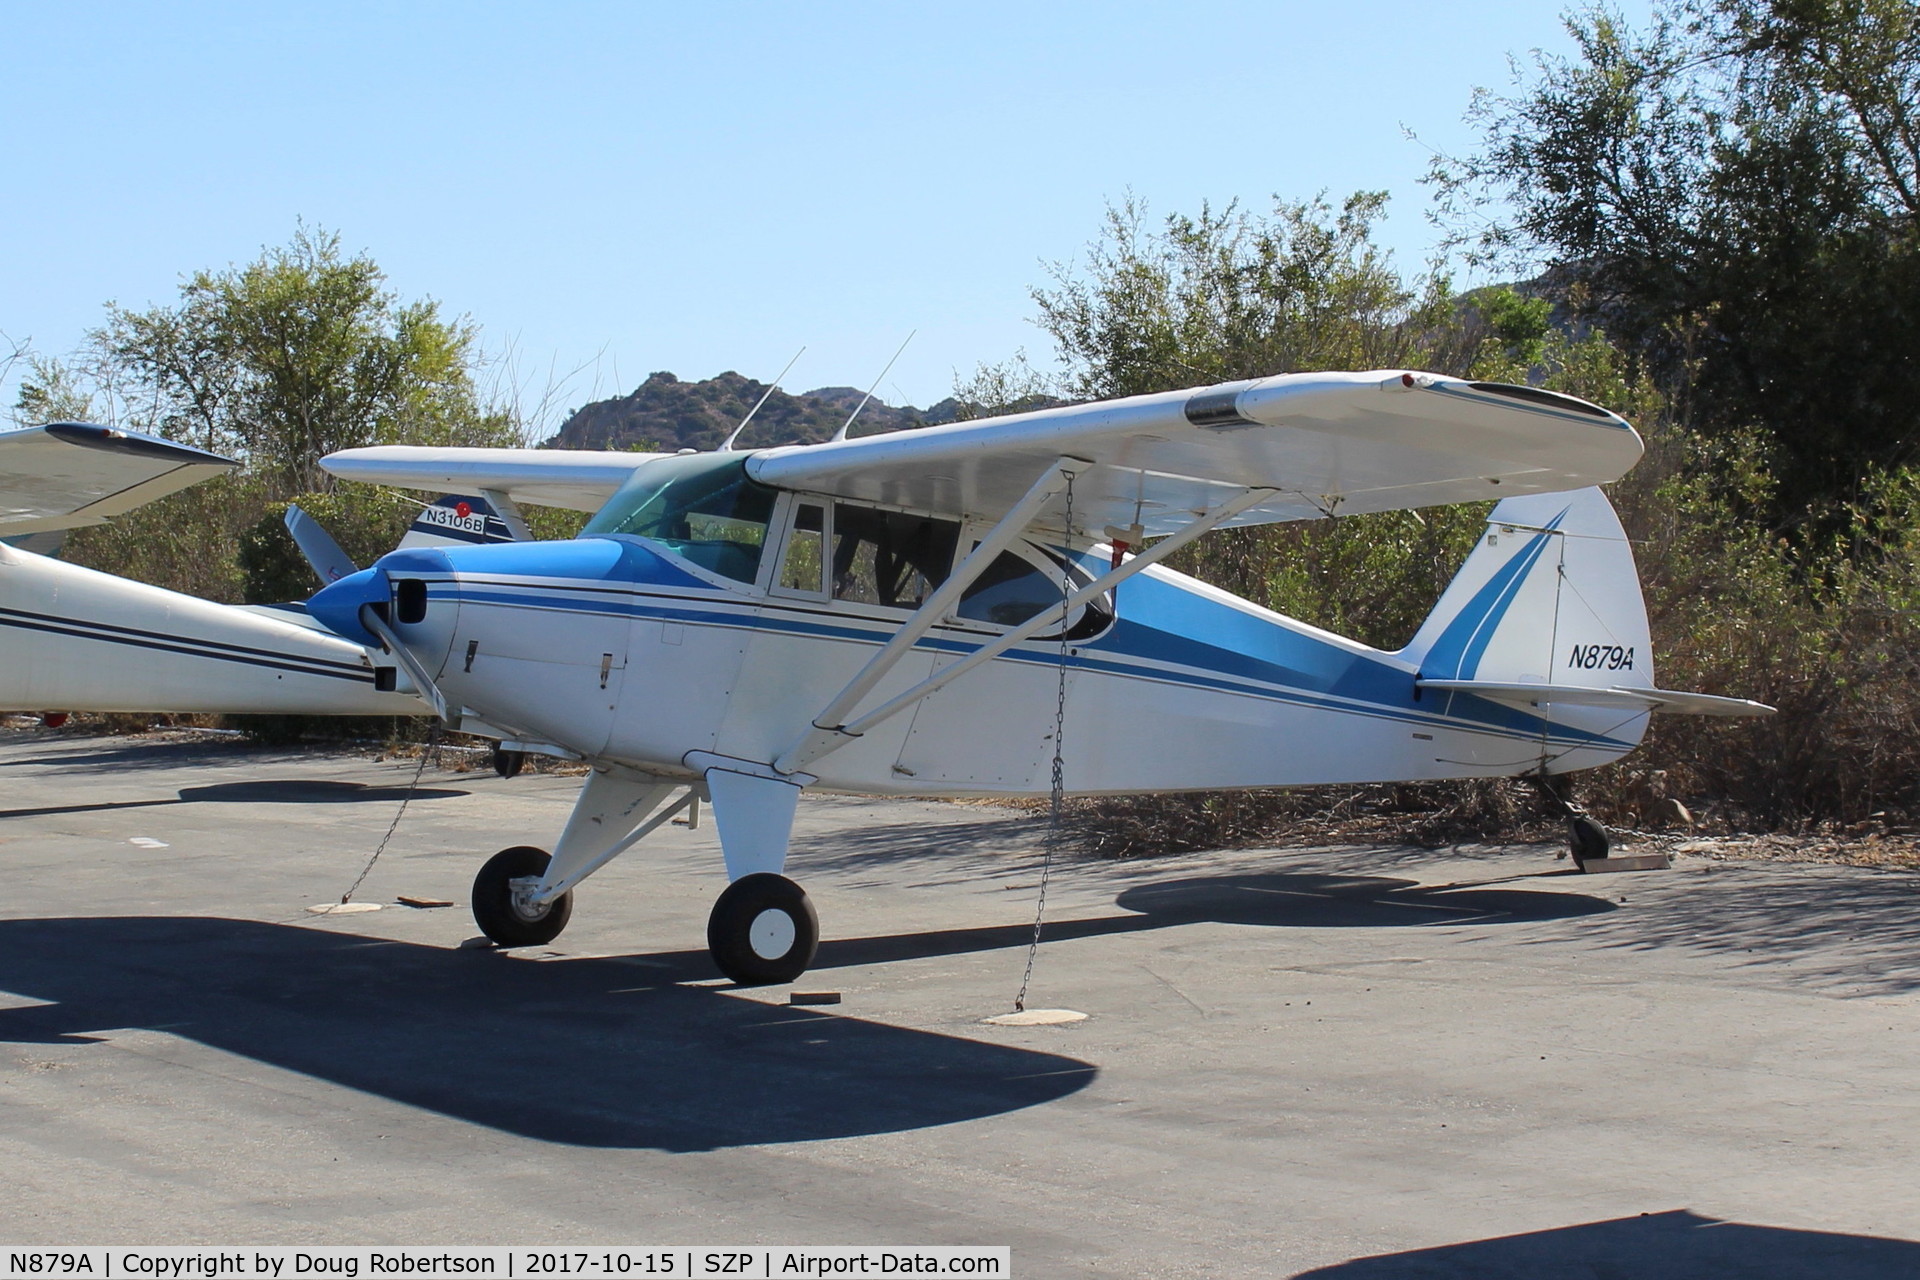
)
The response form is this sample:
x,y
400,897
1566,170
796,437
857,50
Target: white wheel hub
x,y
772,933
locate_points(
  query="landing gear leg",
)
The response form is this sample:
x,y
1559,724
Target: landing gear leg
x,y
1586,839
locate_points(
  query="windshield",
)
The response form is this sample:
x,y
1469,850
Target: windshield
x,y
700,506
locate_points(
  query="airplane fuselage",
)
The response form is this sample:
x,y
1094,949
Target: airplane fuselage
x,y
619,650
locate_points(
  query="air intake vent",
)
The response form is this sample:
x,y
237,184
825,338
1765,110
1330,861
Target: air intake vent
x,y
410,600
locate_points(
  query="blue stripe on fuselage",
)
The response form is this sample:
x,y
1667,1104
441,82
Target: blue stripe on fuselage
x,y
1166,632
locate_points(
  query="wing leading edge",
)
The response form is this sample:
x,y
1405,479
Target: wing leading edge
x,y
579,479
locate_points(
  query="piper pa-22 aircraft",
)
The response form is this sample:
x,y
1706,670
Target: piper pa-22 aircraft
x,y
915,613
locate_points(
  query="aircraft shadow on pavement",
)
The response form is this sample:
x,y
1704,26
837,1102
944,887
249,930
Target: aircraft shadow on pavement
x,y
1679,1245
123,757
593,1052
266,791
1276,900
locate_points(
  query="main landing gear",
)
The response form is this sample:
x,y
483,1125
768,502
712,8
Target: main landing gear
x,y
763,928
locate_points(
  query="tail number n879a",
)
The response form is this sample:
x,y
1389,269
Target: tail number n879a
x,y
1601,657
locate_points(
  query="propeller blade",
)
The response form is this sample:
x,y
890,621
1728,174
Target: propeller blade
x,y
318,546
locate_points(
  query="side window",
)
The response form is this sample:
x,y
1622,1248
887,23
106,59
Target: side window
x,y
1013,589
1010,590
804,565
889,558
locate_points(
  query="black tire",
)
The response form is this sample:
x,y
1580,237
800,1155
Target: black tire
x,y
758,914
1587,841
508,763
493,905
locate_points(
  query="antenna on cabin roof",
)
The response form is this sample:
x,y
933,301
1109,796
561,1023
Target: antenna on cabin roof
x,y
841,434
726,446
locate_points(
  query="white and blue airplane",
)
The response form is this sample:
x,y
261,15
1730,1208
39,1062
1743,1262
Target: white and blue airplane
x,y
921,613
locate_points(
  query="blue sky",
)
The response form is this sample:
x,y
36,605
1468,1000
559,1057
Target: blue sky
x,y
632,187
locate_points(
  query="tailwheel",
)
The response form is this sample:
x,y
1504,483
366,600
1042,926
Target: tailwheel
x,y
763,930
508,763
1587,840
501,905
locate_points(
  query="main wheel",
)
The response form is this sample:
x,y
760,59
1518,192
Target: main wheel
x,y
1587,840
508,763
500,906
763,930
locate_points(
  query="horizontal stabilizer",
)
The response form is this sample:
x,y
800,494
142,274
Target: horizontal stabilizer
x,y
67,475
1670,701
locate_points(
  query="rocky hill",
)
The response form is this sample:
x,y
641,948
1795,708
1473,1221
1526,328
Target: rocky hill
x,y
666,414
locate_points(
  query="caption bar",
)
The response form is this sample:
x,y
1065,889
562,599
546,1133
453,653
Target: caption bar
x,y
630,1262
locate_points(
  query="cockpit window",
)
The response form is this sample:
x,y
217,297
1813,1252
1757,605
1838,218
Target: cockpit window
x,y
889,558
701,506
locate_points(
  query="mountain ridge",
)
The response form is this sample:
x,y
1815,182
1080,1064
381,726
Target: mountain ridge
x,y
665,414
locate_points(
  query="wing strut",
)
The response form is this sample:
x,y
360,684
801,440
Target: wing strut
x,y
1052,481
828,735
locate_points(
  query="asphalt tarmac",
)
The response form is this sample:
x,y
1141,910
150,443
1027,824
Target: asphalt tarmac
x,y
1337,1063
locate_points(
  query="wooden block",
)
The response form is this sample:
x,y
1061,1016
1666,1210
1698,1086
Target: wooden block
x,y
1630,862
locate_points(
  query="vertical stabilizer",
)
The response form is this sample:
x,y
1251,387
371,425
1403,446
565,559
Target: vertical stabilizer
x,y
1550,596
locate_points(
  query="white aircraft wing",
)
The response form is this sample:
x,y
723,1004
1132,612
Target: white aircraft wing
x,y
69,474
1328,442
580,479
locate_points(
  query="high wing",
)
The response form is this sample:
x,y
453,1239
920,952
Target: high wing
x,y
69,474
579,479
1329,443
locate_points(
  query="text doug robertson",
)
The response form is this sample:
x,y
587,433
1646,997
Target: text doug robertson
x,y
209,1266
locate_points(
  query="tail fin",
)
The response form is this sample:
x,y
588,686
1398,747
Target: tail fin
x,y
1549,596
1547,614
460,521
451,521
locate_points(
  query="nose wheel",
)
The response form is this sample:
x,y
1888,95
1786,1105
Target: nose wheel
x,y
502,899
763,930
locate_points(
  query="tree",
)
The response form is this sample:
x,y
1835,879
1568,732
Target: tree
x,y
1229,294
1731,192
298,354
1154,306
